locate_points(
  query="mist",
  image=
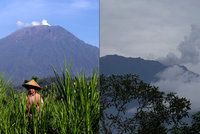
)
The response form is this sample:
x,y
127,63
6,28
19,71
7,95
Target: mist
x,y
183,82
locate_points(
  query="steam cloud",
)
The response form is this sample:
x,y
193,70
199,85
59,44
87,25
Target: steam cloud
x,y
33,23
183,82
177,78
189,50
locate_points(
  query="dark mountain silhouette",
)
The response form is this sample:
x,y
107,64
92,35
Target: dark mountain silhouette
x,y
32,50
146,69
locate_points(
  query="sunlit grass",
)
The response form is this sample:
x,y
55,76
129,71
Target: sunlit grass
x,y
71,106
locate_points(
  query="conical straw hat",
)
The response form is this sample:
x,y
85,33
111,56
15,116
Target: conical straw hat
x,y
31,83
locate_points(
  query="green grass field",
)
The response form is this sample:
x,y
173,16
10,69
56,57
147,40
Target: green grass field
x,y
71,106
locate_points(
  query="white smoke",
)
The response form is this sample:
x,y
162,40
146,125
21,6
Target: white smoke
x,y
33,23
175,78
184,83
189,50
44,22
19,23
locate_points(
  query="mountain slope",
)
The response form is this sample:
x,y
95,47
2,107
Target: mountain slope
x,y
147,70
114,64
32,50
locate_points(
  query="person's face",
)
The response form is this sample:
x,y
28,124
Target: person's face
x,y
31,91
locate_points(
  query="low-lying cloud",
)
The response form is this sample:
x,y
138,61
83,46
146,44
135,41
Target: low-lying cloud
x,y
177,79
183,82
33,23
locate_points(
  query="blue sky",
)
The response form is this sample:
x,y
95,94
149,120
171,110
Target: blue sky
x,y
80,17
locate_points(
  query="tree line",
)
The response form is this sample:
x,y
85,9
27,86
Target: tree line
x,y
131,106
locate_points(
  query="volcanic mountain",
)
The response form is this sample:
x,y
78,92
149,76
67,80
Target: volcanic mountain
x,y
148,70
33,50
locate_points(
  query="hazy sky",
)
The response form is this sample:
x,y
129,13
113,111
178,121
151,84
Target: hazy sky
x,y
146,28
164,30
81,17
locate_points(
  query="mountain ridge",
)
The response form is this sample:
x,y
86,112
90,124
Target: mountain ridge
x,y
146,69
33,50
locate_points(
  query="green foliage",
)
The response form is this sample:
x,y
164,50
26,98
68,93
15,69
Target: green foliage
x,y
35,78
194,128
71,105
196,123
155,111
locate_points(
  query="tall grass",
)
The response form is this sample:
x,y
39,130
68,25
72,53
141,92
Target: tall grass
x,y
70,107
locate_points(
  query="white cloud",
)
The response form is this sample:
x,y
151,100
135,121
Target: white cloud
x,y
189,51
44,22
19,23
184,83
33,23
22,24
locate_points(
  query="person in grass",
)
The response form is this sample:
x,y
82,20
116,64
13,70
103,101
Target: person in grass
x,y
33,97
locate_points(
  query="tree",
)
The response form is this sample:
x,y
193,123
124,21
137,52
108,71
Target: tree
x,y
194,128
153,111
